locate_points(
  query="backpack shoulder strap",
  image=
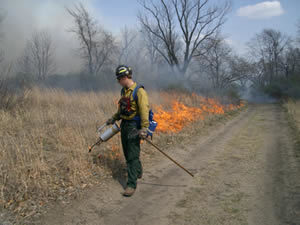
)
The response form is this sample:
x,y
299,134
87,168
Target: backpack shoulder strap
x,y
134,93
122,91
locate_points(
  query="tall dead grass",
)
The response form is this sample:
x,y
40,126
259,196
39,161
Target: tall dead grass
x,y
44,146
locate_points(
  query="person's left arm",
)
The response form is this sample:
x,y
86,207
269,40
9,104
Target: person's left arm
x,y
143,106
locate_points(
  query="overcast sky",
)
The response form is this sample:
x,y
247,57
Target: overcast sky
x,y
25,16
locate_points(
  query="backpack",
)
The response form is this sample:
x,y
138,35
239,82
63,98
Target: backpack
x,y
152,122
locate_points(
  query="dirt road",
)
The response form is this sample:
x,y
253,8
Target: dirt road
x,y
245,171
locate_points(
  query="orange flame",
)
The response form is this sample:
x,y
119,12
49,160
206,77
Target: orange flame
x,y
181,115
176,119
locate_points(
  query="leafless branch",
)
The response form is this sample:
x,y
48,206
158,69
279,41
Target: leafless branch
x,y
181,26
96,44
38,56
127,40
267,49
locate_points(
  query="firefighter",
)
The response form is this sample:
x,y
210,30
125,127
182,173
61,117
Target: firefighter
x,y
135,121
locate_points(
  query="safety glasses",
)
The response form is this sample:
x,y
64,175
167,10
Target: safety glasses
x,y
120,78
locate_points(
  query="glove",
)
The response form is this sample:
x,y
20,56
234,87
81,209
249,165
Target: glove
x,y
143,133
110,121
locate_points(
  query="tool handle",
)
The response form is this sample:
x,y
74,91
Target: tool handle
x,y
169,157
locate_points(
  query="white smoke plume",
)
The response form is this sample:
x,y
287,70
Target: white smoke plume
x,y
22,18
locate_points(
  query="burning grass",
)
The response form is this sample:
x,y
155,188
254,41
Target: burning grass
x,y
180,115
43,145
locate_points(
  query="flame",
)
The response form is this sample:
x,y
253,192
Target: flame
x,y
176,119
180,115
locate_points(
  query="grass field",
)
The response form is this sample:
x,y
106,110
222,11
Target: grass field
x,y
293,111
44,143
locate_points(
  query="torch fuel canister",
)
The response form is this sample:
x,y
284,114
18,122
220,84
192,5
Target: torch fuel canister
x,y
110,132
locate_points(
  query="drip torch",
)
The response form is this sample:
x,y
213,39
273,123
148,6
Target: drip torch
x,y
106,135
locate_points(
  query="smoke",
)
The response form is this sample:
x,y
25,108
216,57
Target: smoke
x,y
22,18
254,95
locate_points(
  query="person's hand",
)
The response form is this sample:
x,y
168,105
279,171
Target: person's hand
x,y
143,133
110,121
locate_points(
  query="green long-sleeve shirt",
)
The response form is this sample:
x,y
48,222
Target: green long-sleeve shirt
x,y
141,107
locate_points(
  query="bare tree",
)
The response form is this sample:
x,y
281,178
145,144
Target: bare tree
x,y
24,66
11,92
96,44
267,49
38,56
291,63
128,38
240,70
152,43
214,63
181,26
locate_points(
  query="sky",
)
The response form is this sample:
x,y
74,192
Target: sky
x,y
246,18
22,17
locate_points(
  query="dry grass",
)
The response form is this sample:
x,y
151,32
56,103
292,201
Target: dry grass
x,y
293,111
43,146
